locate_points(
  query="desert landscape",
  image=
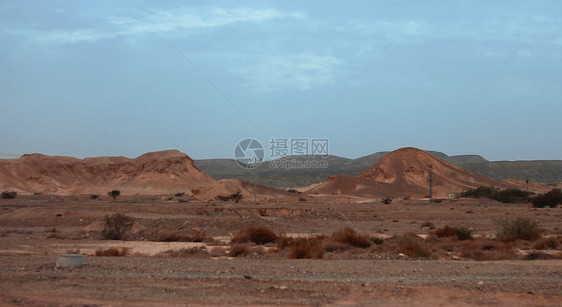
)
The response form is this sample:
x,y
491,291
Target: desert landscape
x,y
183,237
287,153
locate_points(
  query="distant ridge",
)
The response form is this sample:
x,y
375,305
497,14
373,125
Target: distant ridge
x,y
160,172
547,172
407,172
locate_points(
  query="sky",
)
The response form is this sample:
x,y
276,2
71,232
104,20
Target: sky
x,y
99,78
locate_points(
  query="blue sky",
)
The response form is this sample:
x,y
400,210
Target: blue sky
x,y
90,78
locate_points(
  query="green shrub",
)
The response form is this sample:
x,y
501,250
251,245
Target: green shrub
x,y
550,199
463,233
521,228
9,194
504,196
114,194
116,226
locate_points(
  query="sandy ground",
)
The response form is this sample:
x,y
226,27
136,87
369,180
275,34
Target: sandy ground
x,y
29,277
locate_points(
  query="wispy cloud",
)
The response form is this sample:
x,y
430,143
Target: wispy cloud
x,y
302,71
157,21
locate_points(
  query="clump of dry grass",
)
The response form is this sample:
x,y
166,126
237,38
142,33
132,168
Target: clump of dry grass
x,y
412,245
193,252
258,235
542,256
244,249
306,248
487,250
444,232
237,250
171,236
349,236
112,252
461,233
546,243
521,228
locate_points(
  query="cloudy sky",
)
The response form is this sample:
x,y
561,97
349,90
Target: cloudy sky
x,y
90,78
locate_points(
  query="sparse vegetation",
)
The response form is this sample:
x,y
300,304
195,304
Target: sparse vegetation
x,y
94,196
114,194
258,235
116,226
9,194
549,199
521,228
112,252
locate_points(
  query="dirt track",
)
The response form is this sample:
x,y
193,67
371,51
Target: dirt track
x,y
28,275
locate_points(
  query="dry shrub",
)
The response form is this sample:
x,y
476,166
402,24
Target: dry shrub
x,y
329,245
258,235
116,226
180,237
306,248
237,250
112,252
193,252
542,256
413,246
521,228
349,236
546,243
461,233
386,200
444,232
487,250
377,240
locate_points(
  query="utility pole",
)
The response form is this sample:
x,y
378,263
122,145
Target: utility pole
x,y
376,192
430,185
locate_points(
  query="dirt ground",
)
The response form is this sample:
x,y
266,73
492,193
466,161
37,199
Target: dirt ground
x,y
35,231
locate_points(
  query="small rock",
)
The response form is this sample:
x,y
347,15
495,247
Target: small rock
x,y
247,277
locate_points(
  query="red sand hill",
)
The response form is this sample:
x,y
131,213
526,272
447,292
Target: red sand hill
x,y
153,173
405,172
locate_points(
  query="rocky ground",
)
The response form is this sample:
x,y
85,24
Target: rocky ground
x,y
35,231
